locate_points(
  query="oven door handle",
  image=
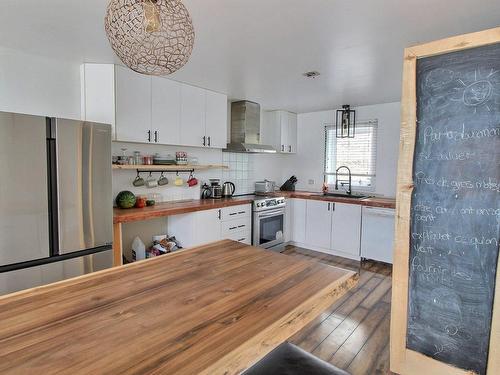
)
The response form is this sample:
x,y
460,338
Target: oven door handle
x,y
263,215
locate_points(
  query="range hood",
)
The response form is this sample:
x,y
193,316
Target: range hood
x,y
245,129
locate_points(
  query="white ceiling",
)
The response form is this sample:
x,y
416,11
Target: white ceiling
x,y
258,49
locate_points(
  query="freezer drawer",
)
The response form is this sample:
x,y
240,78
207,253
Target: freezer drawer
x,y
377,234
49,273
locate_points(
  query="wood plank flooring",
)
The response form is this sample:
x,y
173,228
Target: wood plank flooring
x,y
353,334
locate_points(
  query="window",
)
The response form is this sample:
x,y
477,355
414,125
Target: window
x,y
358,153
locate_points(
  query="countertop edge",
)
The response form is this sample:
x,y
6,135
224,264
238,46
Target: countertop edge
x,y
259,346
183,207
173,208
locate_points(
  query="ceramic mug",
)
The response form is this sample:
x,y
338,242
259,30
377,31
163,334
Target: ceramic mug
x,y
139,181
179,181
162,181
151,182
192,181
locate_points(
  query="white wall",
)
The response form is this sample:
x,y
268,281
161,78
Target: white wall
x,y
38,85
308,163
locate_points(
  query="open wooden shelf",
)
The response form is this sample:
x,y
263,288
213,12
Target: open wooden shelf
x,y
174,167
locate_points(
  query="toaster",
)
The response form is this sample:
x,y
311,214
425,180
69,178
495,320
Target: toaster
x,y
264,187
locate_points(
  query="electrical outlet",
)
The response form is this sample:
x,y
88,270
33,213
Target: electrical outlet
x,y
311,182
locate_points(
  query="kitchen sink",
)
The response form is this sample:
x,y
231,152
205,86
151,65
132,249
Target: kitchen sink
x,y
345,195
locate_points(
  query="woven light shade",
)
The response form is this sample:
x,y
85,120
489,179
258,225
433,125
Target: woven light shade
x,y
154,37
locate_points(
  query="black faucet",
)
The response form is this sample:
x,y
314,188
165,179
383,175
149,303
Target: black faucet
x,y
349,192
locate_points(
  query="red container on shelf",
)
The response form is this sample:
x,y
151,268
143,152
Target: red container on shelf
x,y
140,202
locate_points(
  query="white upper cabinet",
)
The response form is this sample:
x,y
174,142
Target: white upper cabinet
x,y
280,131
292,133
166,111
193,116
203,118
149,109
216,119
133,106
98,93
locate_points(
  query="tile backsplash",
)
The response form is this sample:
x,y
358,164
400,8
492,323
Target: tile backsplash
x,y
240,172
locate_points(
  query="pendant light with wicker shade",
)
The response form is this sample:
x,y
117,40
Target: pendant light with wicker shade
x,y
154,37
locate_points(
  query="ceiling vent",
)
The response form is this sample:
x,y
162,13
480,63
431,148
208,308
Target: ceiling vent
x,y
312,74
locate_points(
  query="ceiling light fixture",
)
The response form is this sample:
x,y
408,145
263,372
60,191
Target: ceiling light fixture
x,y
345,124
154,37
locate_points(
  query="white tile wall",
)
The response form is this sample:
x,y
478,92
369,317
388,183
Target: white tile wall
x,y
240,172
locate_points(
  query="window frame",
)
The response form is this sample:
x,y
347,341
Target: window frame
x,y
327,126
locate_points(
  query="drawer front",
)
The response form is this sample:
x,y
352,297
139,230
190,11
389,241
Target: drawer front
x,y
236,212
243,237
238,225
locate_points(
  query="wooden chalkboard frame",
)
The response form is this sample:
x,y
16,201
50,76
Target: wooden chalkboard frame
x,y
403,360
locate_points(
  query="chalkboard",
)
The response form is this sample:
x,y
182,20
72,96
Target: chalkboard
x,y
455,207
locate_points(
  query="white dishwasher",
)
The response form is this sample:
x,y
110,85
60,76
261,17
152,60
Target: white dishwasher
x,y
377,233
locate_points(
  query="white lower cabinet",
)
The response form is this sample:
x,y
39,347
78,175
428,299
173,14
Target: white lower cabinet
x,y
208,226
318,224
346,228
237,223
295,220
202,227
330,227
196,228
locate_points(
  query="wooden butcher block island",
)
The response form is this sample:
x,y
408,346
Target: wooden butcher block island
x,y
214,309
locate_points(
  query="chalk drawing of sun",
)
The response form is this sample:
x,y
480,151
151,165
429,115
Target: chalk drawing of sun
x,y
479,90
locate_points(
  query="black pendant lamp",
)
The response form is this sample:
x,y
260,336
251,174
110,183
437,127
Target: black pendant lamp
x,y
345,125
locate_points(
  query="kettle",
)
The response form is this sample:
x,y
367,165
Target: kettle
x,y
228,189
206,192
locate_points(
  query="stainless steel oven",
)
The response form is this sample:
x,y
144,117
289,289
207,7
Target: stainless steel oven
x,y
269,223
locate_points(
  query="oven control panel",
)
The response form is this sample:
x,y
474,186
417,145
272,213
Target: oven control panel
x,y
268,203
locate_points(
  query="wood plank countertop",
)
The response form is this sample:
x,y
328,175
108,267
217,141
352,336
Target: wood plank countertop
x,y
214,309
175,208
183,207
380,202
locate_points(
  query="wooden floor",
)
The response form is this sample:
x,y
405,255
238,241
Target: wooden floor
x,y
353,334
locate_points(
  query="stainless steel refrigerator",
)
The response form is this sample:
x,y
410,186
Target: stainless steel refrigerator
x,y
55,200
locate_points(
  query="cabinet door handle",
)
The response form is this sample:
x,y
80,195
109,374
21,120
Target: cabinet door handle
x,y
333,206
289,148
149,135
209,142
219,214
328,206
156,136
204,140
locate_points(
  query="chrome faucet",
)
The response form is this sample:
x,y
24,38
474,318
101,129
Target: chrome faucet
x,y
348,191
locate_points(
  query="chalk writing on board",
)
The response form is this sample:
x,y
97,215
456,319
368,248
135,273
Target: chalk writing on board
x,y
455,208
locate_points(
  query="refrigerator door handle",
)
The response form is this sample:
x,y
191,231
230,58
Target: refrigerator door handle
x,y
52,183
